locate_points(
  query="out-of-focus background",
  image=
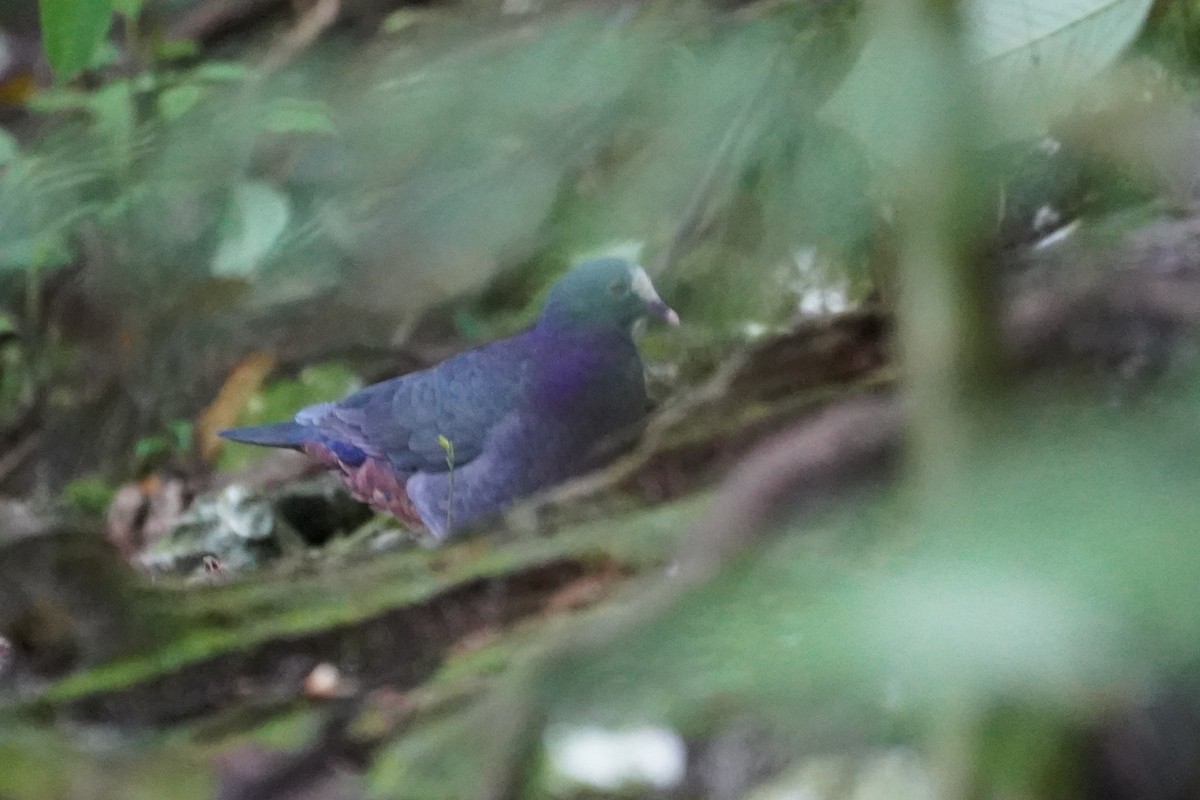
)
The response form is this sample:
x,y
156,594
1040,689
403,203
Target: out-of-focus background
x,y
916,513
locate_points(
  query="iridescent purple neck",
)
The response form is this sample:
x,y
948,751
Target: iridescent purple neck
x,y
575,360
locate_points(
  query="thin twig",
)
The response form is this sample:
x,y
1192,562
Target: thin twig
x,y
315,20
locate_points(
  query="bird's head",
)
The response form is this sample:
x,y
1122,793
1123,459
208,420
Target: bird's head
x,y
604,292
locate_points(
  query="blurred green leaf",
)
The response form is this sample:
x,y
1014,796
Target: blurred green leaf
x,y
130,8
9,149
175,441
175,49
1027,43
182,433
399,20
60,98
89,495
291,115
1035,58
105,55
150,446
176,101
220,72
112,108
258,214
1052,575
40,203
1032,53
72,30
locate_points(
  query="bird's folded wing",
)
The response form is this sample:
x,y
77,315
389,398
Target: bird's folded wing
x,y
429,420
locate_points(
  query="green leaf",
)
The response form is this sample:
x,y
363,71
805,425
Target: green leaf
x,y
72,31
104,55
90,495
1032,55
183,434
59,99
1033,61
9,149
175,49
289,115
1020,40
112,109
130,8
178,100
399,20
258,215
221,72
151,446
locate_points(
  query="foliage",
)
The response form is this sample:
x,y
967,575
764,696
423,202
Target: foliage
x,y
88,496
176,441
73,31
1028,574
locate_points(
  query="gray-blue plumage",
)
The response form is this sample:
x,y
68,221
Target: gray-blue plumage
x,y
446,445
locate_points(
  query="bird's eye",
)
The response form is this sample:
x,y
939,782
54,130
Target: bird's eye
x,y
617,287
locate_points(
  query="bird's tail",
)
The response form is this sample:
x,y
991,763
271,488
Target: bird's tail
x,y
280,434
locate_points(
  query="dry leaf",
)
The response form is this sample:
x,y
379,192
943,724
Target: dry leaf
x,y
243,382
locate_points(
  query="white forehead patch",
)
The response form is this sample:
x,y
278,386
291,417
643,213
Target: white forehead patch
x,y
642,286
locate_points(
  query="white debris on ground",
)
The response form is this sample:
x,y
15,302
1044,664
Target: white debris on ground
x,y
819,294
610,760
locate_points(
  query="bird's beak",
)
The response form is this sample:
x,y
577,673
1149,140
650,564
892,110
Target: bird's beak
x,y
663,311
644,289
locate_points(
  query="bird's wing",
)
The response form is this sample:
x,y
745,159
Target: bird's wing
x,y
402,419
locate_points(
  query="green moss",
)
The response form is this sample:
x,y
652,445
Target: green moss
x,y
440,760
245,614
38,764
